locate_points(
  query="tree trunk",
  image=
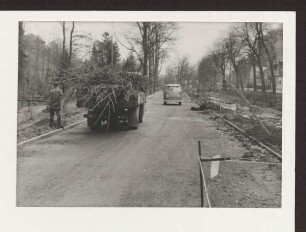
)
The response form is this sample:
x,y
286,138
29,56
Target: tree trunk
x,y
145,49
254,73
224,84
269,58
237,78
258,56
262,75
241,83
70,43
37,64
150,58
272,71
254,78
64,40
156,61
47,73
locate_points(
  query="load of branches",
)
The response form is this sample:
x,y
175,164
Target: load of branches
x,y
100,86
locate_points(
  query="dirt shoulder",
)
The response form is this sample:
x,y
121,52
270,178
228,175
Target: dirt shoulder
x,y
270,114
38,124
253,180
245,185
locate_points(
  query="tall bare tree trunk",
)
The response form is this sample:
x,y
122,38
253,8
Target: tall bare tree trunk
x,y
262,75
254,73
224,84
236,75
64,54
71,43
43,65
64,39
47,73
150,59
145,49
258,56
269,59
37,65
156,61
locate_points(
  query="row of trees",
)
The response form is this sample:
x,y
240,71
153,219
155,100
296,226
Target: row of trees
x,y
151,46
40,64
245,44
37,63
181,72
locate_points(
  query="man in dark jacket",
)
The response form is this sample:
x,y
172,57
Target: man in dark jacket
x,y
55,96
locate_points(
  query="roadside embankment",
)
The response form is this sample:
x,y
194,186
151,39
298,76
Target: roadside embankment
x,y
38,124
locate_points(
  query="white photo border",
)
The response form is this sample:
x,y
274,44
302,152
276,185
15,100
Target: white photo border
x,y
93,219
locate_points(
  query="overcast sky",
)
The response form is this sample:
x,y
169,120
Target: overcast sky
x,y
194,39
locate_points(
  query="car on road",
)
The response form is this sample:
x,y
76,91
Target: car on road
x,y
173,94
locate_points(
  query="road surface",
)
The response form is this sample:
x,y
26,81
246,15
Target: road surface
x,y
154,166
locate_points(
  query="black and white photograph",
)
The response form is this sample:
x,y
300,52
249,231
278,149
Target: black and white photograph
x,y
163,102
152,114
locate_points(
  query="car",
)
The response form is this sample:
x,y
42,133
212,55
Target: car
x,y
173,94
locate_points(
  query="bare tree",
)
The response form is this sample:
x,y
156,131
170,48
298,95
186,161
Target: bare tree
x,y
236,54
261,29
182,70
71,42
251,38
220,57
163,38
151,45
207,72
253,62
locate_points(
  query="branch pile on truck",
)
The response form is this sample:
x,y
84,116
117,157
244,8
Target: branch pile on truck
x,y
112,96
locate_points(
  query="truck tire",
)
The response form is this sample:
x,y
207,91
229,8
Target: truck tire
x,y
141,113
165,103
93,124
113,121
133,118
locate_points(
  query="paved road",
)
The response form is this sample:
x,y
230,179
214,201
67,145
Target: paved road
x,y
155,165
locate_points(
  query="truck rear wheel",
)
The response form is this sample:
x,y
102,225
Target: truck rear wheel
x,y
112,121
93,124
133,118
141,113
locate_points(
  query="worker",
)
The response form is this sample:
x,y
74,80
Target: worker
x,y
55,96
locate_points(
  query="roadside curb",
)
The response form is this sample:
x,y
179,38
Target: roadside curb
x,y
40,137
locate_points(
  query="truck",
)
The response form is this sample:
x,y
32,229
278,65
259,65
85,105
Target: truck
x,y
120,109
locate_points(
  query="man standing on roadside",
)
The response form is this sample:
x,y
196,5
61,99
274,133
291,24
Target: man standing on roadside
x,y
55,96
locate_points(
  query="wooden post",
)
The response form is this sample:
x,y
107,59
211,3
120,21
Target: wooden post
x,y
201,185
201,177
199,148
